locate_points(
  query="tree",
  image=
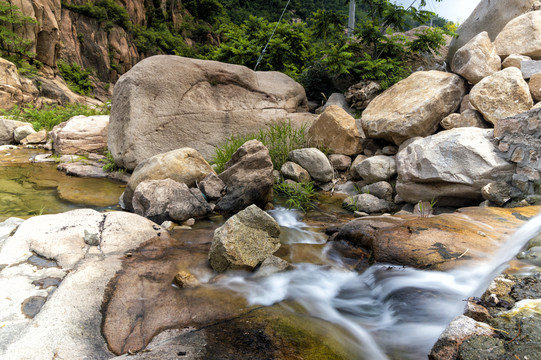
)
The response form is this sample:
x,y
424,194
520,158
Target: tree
x,y
11,44
327,25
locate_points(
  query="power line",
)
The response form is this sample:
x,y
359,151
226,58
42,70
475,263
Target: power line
x,y
273,31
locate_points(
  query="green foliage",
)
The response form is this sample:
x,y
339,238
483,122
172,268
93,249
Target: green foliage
x,y
431,39
109,164
206,10
289,51
327,25
160,40
299,195
107,11
317,82
76,77
11,44
51,115
280,139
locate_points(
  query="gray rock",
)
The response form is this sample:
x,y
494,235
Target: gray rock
x,y
376,168
7,127
161,200
22,131
497,193
81,135
522,35
183,165
450,166
245,240
337,99
361,94
294,172
380,189
39,137
353,167
248,178
477,59
170,94
349,188
340,162
271,265
367,203
212,186
529,68
515,61
315,162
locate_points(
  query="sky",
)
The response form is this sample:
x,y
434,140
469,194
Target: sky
x,y
452,10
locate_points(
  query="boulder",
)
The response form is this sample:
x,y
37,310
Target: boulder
x,y
212,186
375,168
184,165
367,203
477,59
451,166
39,137
315,162
489,16
248,178
22,132
340,162
336,99
294,172
81,135
469,118
381,189
157,103
7,127
353,168
522,35
535,86
166,199
244,241
514,60
361,94
336,130
501,95
413,107
465,104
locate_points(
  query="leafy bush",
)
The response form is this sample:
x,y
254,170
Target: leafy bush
x,y
109,164
279,138
317,82
103,10
299,195
51,115
76,77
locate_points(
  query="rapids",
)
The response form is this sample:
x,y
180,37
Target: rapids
x,y
390,312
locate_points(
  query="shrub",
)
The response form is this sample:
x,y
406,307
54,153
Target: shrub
x,y
299,195
109,164
76,77
51,115
279,139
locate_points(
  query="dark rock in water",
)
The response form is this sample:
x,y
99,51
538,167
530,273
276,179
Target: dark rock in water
x,y
47,282
248,178
32,305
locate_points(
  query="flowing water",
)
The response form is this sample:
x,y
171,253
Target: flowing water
x,y
391,312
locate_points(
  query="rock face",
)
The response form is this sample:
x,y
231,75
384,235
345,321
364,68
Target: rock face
x,y
245,240
521,35
336,130
162,200
477,59
157,103
489,16
68,325
248,178
413,107
501,95
451,166
184,165
313,161
81,135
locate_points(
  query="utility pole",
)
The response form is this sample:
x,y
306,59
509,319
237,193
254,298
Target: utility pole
x,y
351,19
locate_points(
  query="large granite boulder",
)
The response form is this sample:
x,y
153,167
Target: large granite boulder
x,y
184,165
501,95
336,130
489,16
245,240
7,129
166,199
451,166
521,35
313,161
167,102
414,106
247,177
375,168
81,135
477,59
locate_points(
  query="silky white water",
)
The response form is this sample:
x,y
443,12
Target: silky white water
x,y
391,312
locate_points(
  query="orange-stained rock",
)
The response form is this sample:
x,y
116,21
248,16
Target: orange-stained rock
x,y
439,242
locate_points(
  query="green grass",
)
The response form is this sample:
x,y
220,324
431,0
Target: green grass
x,y
109,164
280,139
51,115
299,195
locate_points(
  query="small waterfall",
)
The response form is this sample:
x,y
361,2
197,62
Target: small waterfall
x,y
390,311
